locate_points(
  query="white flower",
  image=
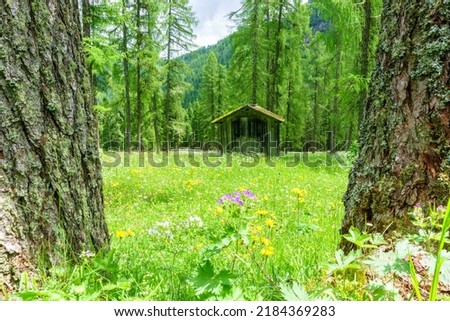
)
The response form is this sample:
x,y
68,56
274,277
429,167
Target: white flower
x,y
165,224
153,231
194,221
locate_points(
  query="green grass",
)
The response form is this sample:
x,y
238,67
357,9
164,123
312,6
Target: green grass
x,y
162,266
172,240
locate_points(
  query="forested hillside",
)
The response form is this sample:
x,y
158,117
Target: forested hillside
x,y
309,63
196,61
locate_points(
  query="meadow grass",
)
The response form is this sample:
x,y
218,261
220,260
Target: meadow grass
x,y
166,225
244,229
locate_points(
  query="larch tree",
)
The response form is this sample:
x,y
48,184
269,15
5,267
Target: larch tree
x,y
210,92
179,21
51,203
126,76
404,156
248,64
139,49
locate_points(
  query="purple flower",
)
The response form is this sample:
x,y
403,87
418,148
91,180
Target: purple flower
x,y
236,198
249,194
237,201
418,205
441,208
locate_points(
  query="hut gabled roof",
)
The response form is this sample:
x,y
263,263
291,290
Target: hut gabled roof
x,y
254,107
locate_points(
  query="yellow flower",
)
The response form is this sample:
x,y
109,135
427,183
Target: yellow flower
x,y
242,188
265,241
267,251
258,229
269,223
299,192
131,233
261,212
218,210
255,238
121,234
135,171
301,200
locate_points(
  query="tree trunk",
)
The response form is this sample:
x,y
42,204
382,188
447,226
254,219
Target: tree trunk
x,y
289,105
337,79
255,51
404,138
167,103
275,102
51,203
155,122
315,105
138,75
126,75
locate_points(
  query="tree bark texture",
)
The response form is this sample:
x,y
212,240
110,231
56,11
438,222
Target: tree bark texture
x,y
51,203
404,154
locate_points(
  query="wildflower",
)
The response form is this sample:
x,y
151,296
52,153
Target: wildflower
x,y
258,228
225,198
218,210
135,171
441,208
235,198
237,201
121,234
169,235
249,194
131,233
269,223
301,200
153,231
265,241
86,255
267,251
165,224
299,192
194,221
261,212
418,205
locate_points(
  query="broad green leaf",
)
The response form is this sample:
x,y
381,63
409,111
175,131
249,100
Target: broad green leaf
x,y
294,293
205,280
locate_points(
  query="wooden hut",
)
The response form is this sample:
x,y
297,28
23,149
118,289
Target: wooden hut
x,y
249,128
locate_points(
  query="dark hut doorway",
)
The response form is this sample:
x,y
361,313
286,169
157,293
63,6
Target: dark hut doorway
x,y
249,134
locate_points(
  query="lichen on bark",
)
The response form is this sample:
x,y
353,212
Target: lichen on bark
x,y
50,183
405,134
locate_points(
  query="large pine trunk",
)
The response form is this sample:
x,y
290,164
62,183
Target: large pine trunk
x,y
404,154
51,203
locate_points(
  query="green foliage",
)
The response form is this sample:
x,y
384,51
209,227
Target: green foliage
x,y
171,240
414,262
206,281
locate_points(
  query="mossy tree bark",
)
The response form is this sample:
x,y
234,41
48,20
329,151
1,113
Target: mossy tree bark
x,y
404,154
51,203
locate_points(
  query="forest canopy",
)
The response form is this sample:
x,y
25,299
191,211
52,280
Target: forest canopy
x,y
308,62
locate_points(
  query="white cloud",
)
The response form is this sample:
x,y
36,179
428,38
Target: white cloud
x,y
213,22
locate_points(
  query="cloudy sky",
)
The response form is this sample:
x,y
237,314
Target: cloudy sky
x,y
213,23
